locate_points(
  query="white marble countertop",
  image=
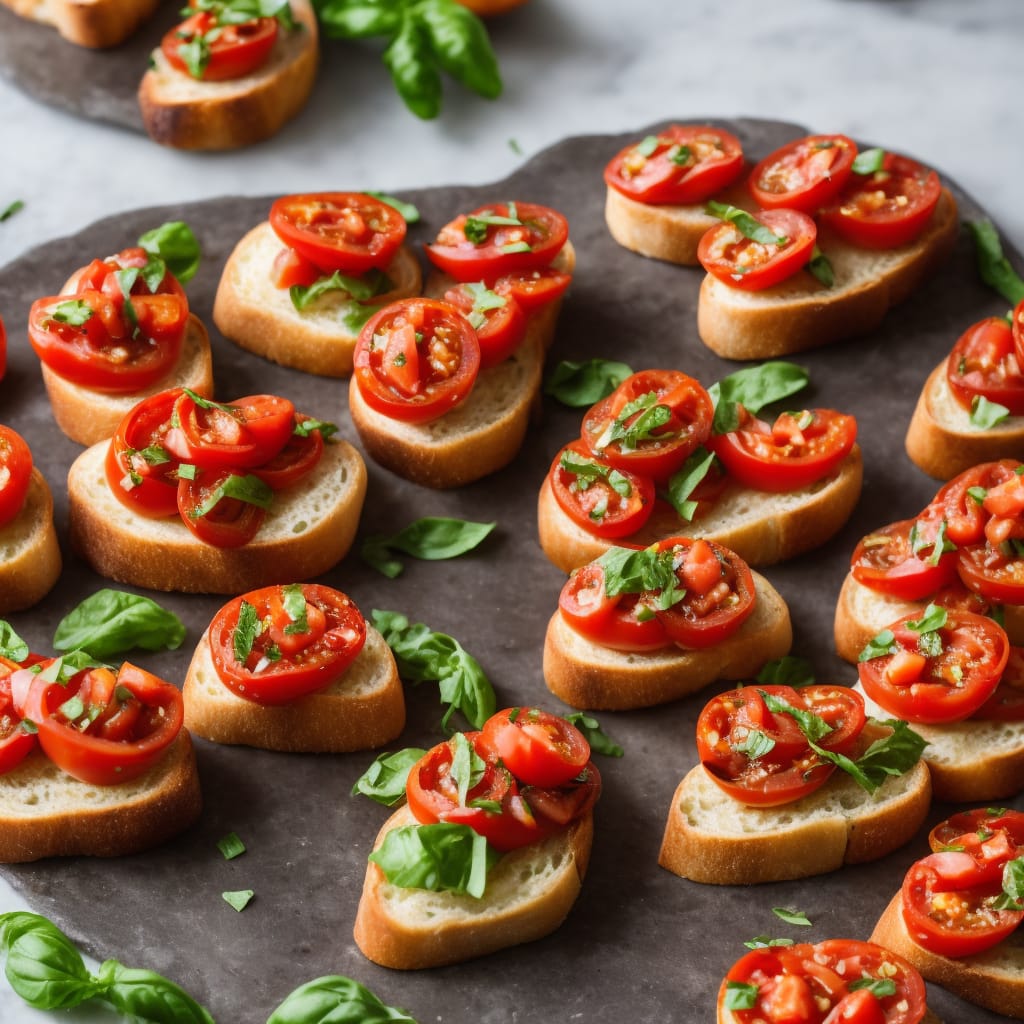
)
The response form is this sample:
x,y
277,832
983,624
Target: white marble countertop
x,y
938,79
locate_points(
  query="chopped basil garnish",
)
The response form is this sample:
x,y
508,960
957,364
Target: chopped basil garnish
x,y
747,225
11,645
765,942
755,745
740,995
409,213
73,312
685,480
250,489
303,428
627,571
813,726
361,289
754,387
484,301
878,646
11,209
794,917
894,754
986,414
1013,886
246,631
820,267
295,605
238,899
869,161
651,415
647,145
231,846
993,266
878,987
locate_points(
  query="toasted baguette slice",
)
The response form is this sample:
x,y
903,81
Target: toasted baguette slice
x,y
862,613
364,708
186,113
761,528
30,561
476,438
993,979
92,23
941,439
46,813
586,675
801,313
529,893
88,415
970,761
712,838
252,312
308,529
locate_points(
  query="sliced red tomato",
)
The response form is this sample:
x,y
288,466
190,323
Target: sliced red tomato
x,y
681,164
796,451
348,231
805,174
901,559
416,359
15,474
539,748
741,262
948,904
499,239
299,457
824,983
607,502
212,514
982,821
291,269
499,320
984,364
650,423
280,643
103,275
960,502
996,574
223,52
103,728
533,289
962,667
16,742
1007,702
887,208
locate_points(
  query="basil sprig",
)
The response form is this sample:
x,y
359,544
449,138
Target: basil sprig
x,y
628,571
334,999
582,384
754,387
12,646
423,654
175,243
432,539
651,416
384,781
47,971
425,38
360,289
113,621
747,225
993,266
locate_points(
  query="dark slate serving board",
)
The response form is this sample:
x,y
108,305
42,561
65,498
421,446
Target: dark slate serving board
x,y
640,944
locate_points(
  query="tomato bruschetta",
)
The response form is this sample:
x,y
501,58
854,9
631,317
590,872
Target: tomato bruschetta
x,y
490,849
95,24
793,783
643,627
294,667
203,496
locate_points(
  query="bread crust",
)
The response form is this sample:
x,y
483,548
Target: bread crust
x,y
461,927
941,439
761,528
30,560
88,415
309,529
46,813
586,675
713,839
186,113
259,317
363,709
993,979
95,24
801,313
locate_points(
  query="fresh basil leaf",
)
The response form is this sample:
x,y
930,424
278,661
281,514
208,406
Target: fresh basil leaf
x,y
195,53
460,45
747,224
334,999
756,744
934,617
582,384
358,288
423,654
248,488
11,209
12,646
765,942
73,312
894,754
358,19
993,266
813,726
413,72
238,899
245,633
61,669
628,571
878,646
384,781
432,538
410,214
685,480
986,414
43,966
820,267
147,997
294,603
231,846
467,767
650,417
878,987
794,917
303,428
600,742
754,387
647,146
740,995
111,622
789,670
869,161
442,858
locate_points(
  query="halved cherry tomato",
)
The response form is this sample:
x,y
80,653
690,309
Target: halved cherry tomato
x,y
416,359
102,728
984,363
15,474
499,320
741,262
499,239
299,456
213,516
306,637
805,174
290,269
962,667
960,502
650,423
995,574
887,208
230,51
947,901
605,501
348,231
796,451
16,742
103,275
980,822
900,559
533,289
539,748
682,164
814,984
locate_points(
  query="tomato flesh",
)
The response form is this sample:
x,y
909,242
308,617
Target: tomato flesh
x,y
16,742
15,474
805,174
499,320
534,289
980,821
231,51
984,363
886,560
539,748
213,516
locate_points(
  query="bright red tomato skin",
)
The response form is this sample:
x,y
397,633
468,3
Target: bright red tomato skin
x,y
501,329
329,648
542,230
998,579
15,742
885,562
237,51
948,832
739,262
965,516
348,231
984,363
231,523
803,175
15,474
712,159
539,748
299,457
534,289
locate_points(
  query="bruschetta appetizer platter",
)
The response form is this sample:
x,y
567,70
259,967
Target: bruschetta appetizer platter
x,y
598,952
